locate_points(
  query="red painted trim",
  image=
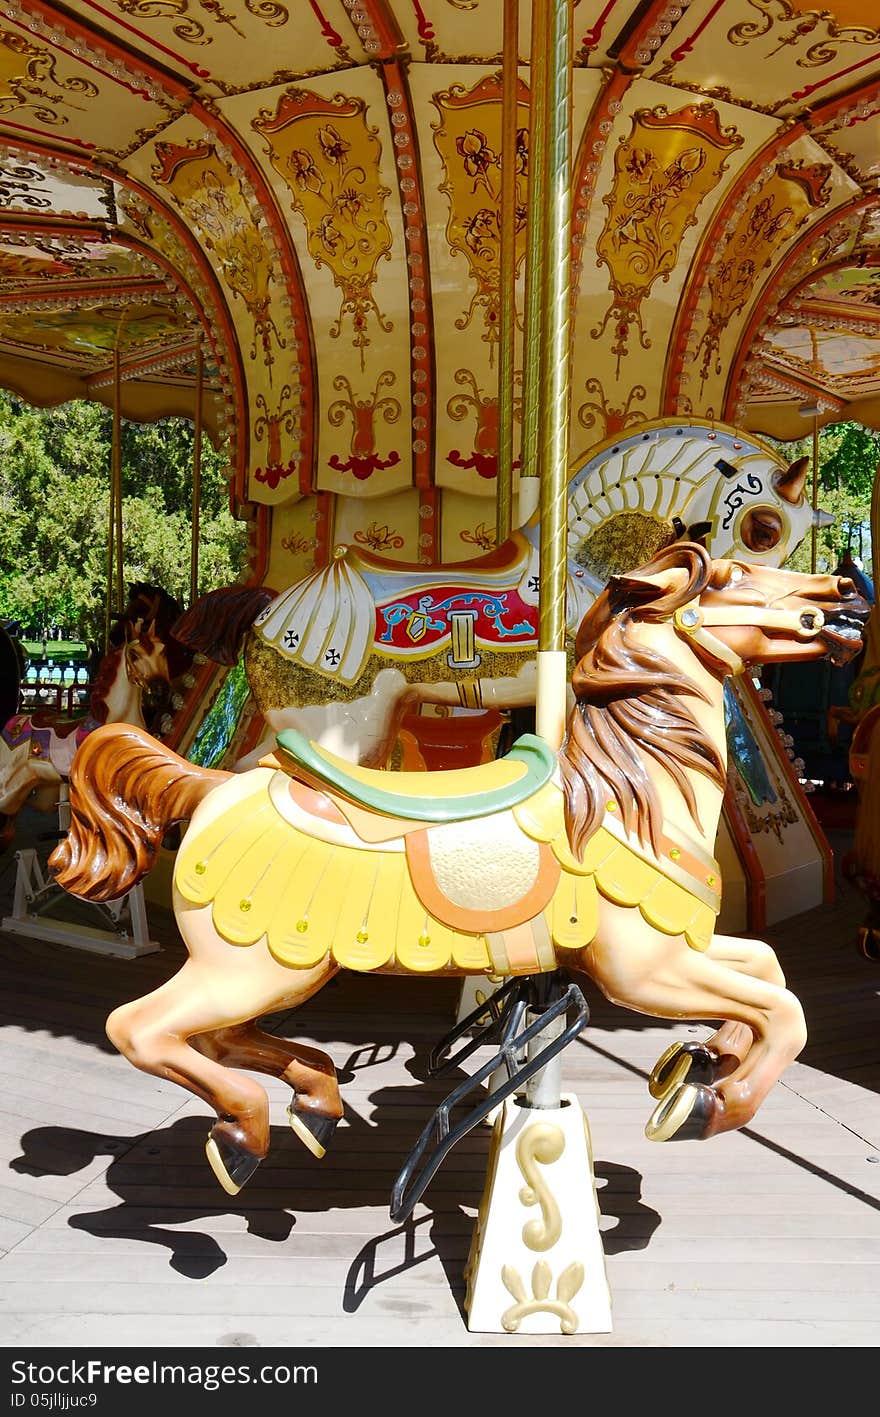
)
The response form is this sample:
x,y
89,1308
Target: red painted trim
x,y
391,43
423,378
195,69
684,49
583,190
104,44
829,78
627,58
760,308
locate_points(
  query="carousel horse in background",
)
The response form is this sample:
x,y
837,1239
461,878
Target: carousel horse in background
x,y
346,653
596,858
132,685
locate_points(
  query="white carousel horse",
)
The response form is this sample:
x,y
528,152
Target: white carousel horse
x,y
597,858
343,655
132,685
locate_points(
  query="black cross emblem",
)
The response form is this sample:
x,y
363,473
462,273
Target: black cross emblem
x,y
291,638
533,583
332,657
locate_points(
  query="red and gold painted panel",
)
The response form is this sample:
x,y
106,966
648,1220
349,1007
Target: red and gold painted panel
x,y
330,160
236,44
772,55
69,93
662,172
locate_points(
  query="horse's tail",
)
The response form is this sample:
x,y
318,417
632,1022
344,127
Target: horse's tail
x,y
126,790
217,624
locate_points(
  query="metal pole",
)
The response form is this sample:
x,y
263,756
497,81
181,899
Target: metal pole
x,y
117,475
507,274
534,239
551,195
553,403
197,481
814,534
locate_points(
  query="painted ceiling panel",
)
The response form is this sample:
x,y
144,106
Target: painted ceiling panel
x,y
773,55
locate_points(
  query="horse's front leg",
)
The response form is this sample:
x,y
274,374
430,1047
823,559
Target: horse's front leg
x,y
714,1058
637,966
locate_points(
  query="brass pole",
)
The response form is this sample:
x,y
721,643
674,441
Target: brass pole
x,y
117,475
814,533
553,405
507,274
197,481
875,532
534,238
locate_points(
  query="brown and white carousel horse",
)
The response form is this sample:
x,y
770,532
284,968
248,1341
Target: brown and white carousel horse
x,y
132,685
596,858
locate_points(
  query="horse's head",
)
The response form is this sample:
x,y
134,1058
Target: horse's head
x,y
734,613
146,665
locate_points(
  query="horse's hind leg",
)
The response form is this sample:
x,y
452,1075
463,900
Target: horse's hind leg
x,y
719,1055
155,1034
316,1107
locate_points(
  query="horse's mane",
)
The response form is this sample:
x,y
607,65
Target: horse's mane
x,y
103,683
630,708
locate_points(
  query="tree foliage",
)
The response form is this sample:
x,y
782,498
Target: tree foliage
x,y
848,459
54,506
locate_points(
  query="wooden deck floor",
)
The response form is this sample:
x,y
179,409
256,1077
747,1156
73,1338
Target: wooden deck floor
x,y
113,1231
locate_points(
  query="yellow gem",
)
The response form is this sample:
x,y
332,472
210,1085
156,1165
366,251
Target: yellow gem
x,y
362,937
674,853
302,926
424,941
244,904
710,880
610,806
201,868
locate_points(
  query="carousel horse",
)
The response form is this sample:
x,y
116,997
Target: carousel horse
x,y
345,653
133,685
596,858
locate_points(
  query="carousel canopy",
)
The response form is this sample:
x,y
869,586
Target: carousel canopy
x,y
305,198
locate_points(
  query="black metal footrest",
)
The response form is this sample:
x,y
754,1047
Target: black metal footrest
x,y
495,1011
438,1137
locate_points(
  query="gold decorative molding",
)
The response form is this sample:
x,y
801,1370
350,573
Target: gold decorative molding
x,y
569,1282
540,1142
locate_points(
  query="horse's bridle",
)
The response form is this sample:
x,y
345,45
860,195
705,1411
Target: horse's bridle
x,y
695,620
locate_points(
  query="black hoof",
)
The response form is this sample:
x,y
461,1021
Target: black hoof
x,y
683,1062
231,1164
315,1131
684,1115
869,943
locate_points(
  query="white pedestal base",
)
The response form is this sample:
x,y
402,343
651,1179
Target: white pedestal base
x,y
536,1263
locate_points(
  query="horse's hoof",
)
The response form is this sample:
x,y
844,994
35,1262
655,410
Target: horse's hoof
x,y
231,1164
691,1062
684,1115
869,943
312,1129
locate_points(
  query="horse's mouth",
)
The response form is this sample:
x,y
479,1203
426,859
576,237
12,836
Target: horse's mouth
x,y
842,633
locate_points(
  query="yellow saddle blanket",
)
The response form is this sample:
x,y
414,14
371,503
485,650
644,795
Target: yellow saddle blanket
x,y
309,885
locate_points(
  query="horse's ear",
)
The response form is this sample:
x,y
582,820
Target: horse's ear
x,y
641,587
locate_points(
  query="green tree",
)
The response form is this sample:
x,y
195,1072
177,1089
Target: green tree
x,y
54,505
848,458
